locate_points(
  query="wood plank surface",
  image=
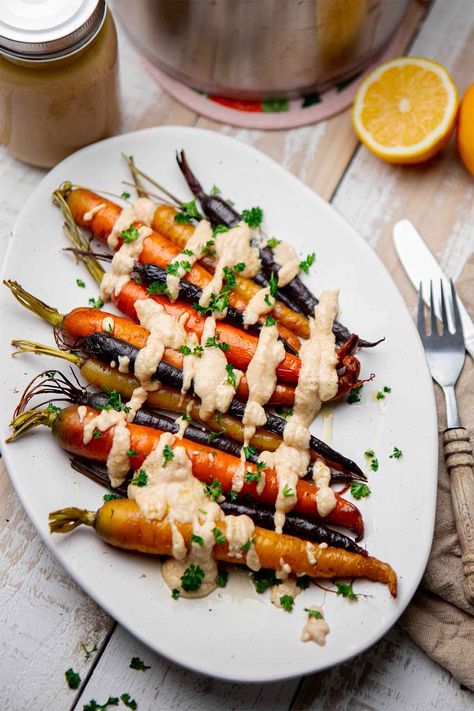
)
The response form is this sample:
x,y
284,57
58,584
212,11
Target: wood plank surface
x,y
44,616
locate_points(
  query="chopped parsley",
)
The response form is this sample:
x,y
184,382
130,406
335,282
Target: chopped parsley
x,y
213,490
305,264
129,235
303,581
239,267
188,252
287,491
249,451
186,417
253,217
137,279
222,578
125,195
157,287
53,408
215,190
264,579
354,395
110,497
232,495
188,212
132,452
114,401
213,435
313,613
96,434
81,283
273,242
186,350
374,464
387,389
208,249
346,591
287,602
359,490
73,678
214,342
219,228
128,701
286,413
396,454
269,321
273,284
94,706
218,535
231,379
229,277
256,475
86,651
246,546
174,267
379,395
175,593
137,663
141,479
197,539
369,454
96,303
168,454
192,578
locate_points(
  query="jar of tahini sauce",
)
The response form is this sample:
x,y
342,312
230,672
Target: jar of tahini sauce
x,y
58,77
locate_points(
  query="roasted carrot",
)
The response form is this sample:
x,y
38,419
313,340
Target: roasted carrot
x,y
120,523
68,429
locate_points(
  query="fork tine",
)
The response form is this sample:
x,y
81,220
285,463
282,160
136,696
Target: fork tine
x,y
420,317
434,328
444,313
457,316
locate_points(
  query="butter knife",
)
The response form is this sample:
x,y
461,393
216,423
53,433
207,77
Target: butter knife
x,y
421,267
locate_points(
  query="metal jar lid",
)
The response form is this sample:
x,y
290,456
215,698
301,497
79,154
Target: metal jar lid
x,y
45,30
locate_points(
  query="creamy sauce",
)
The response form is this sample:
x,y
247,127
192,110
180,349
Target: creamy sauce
x,y
108,324
261,379
289,464
81,412
285,256
328,424
122,262
286,587
211,377
260,304
311,553
118,463
195,244
139,396
316,629
165,332
239,531
124,363
325,496
123,222
87,216
232,247
143,209
182,425
190,362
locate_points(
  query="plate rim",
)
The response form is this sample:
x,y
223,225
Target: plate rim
x,y
369,640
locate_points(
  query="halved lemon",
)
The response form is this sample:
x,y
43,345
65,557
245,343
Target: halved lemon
x,y
405,109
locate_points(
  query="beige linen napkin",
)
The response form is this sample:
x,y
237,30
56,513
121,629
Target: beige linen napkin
x,y
439,619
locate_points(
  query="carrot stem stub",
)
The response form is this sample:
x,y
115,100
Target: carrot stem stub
x,y
121,524
208,464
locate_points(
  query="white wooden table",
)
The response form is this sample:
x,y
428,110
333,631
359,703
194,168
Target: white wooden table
x,y
45,617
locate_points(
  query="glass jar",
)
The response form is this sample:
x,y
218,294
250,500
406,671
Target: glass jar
x,y
58,77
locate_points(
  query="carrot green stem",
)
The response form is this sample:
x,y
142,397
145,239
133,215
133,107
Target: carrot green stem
x,y
142,192
30,302
40,349
66,520
32,418
75,236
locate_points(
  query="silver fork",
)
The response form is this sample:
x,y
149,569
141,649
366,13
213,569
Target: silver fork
x,y
445,353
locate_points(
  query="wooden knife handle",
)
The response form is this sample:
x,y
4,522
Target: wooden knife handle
x,y
460,464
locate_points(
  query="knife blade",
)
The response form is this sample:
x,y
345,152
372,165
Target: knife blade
x,y
421,267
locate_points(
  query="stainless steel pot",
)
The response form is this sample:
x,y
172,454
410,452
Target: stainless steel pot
x,y
261,48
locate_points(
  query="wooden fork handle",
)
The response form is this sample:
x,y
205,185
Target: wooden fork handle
x,y
460,464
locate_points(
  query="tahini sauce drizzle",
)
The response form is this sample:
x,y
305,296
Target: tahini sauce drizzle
x,y
285,255
232,247
260,304
117,462
122,263
87,216
316,629
195,244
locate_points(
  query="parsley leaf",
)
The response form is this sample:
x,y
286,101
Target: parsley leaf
x,y
96,434
213,490
53,408
232,495
305,264
354,395
286,413
80,283
249,451
129,235
269,321
157,287
359,490
273,242
197,539
94,706
273,284
141,479
231,379
374,465
168,454
256,475
253,217
219,228
175,593
208,249
214,342
313,613
73,678
287,602
125,195
215,190
287,491
192,578
246,546
396,454
96,303
188,212
222,578
218,535
128,701
387,389
132,452
379,395
264,579
137,663
346,591
110,497
114,401
303,581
